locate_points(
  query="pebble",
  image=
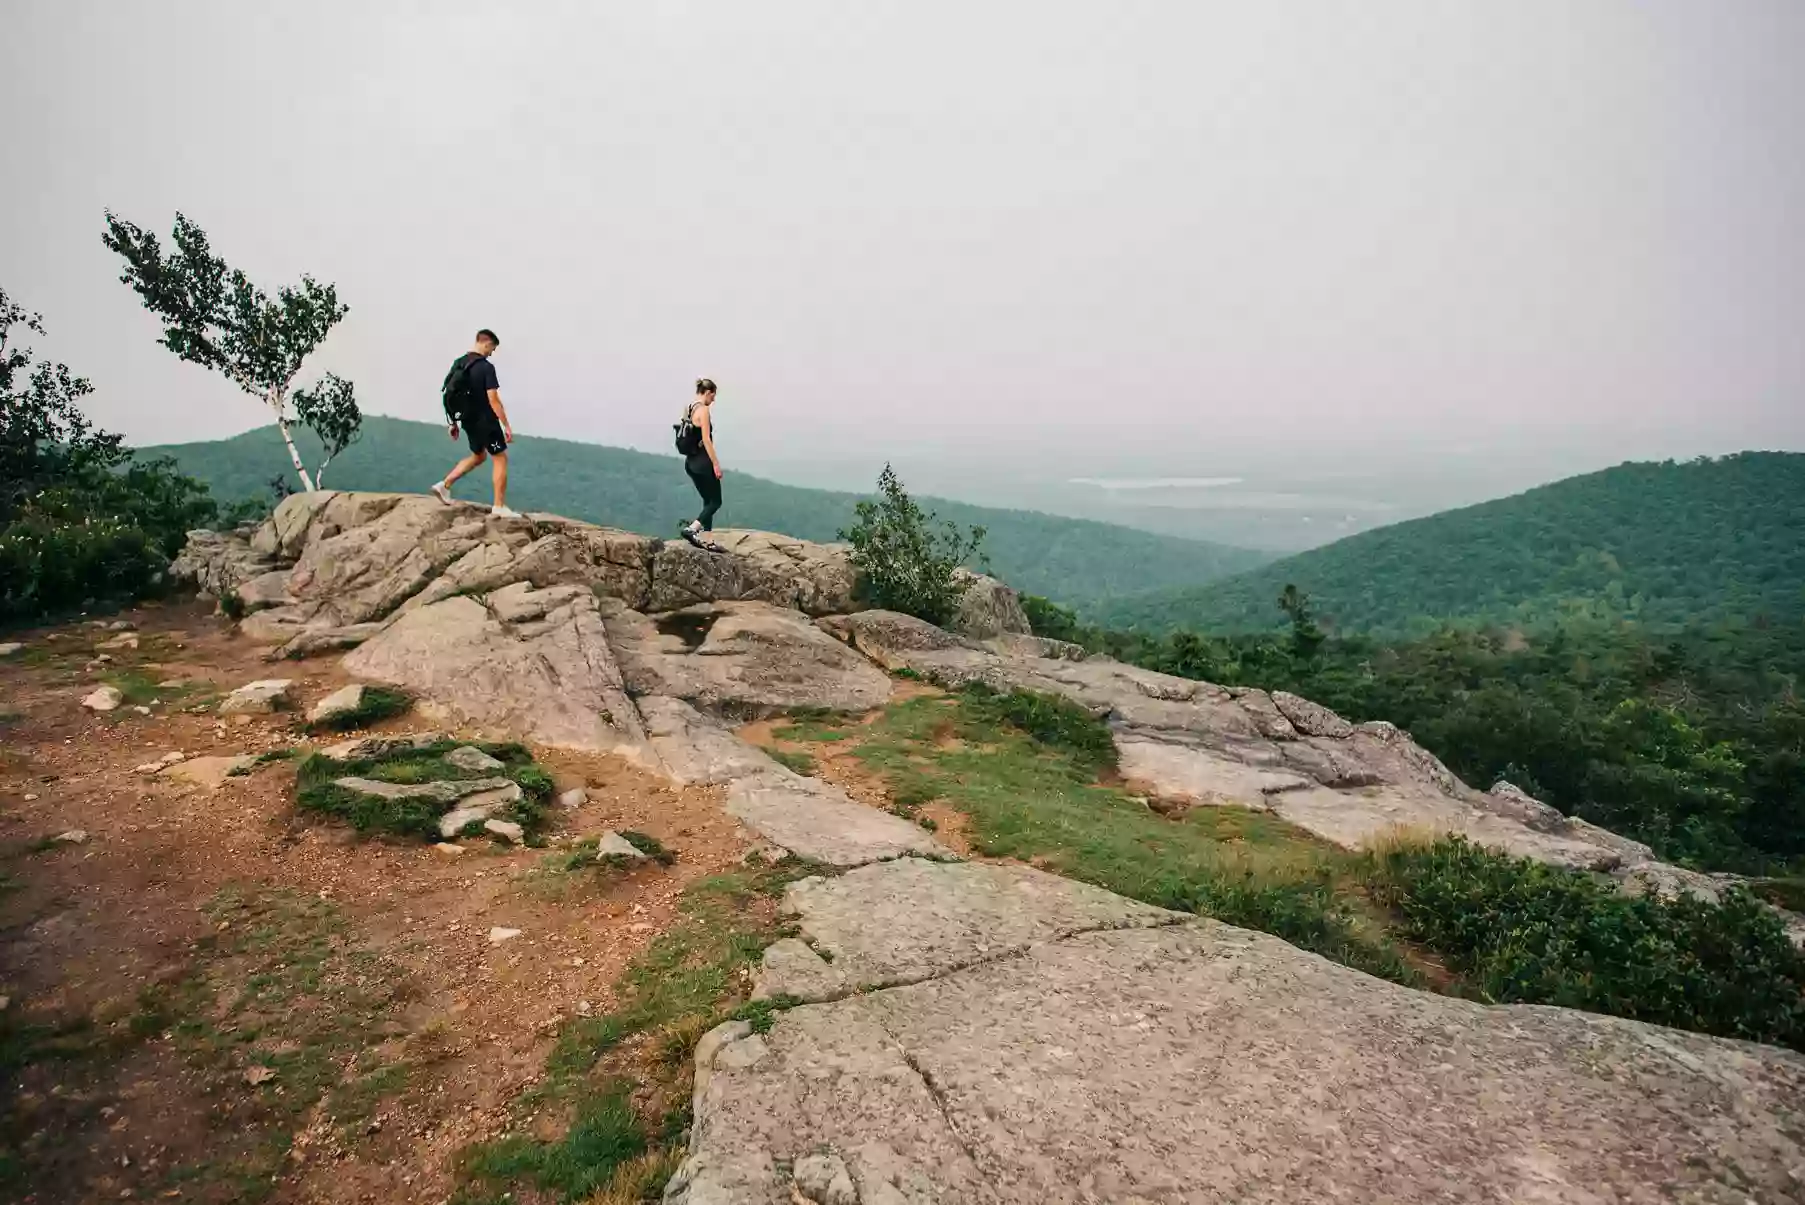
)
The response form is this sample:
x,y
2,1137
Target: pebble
x,y
74,836
449,848
498,935
576,797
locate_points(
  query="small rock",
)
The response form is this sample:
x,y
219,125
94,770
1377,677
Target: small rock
x,y
498,935
171,683
121,625
172,757
506,829
120,643
259,1074
469,757
105,698
449,848
258,698
149,767
10,647
209,772
642,927
576,797
30,798
612,843
141,709
339,702
74,836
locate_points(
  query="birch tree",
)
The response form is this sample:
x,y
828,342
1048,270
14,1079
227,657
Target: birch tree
x,y
214,316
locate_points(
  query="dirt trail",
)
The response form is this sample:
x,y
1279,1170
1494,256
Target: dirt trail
x,y
90,930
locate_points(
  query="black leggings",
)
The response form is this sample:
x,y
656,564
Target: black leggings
x,y
701,471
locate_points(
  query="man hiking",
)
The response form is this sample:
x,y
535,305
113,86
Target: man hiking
x,y
472,397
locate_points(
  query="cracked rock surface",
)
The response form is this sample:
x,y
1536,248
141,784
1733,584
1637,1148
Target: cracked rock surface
x,y
910,919
1200,1063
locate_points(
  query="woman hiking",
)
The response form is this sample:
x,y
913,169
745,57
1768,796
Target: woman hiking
x,y
695,439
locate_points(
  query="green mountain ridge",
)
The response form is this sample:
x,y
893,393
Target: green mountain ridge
x,y
1078,561
1665,543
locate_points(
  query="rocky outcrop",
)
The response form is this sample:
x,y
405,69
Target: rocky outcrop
x,y
531,664
747,659
1185,743
330,563
1193,1061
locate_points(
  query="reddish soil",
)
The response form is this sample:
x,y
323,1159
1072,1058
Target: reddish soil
x,y
86,928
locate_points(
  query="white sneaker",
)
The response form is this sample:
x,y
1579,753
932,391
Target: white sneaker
x,y
503,512
439,490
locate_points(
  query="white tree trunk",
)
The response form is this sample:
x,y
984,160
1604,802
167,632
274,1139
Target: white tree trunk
x,y
276,404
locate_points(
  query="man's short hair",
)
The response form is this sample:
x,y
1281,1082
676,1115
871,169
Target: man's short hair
x,y
488,334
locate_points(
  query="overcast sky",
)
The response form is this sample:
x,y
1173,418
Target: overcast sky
x,y
1082,239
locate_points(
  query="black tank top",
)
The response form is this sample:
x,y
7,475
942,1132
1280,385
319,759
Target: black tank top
x,y
701,449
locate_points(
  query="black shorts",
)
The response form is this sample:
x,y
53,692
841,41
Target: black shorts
x,y
485,436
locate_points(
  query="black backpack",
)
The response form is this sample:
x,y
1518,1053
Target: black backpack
x,y
689,436
456,392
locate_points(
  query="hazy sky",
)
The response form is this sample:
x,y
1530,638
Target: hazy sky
x,y
1098,240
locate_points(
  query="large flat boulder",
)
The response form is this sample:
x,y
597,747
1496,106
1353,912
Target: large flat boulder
x,y
743,658
530,665
819,821
907,920
1200,1063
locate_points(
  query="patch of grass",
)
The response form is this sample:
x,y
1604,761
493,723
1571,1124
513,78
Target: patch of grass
x,y
1037,800
626,1134
1524,931
316,787
376,703
138,687
1052,720
794,759
815,725
277,984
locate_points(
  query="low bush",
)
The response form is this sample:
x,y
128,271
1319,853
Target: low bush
x,y
1521,931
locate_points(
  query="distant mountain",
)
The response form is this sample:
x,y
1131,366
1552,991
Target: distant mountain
x,y
1076,561
1666,543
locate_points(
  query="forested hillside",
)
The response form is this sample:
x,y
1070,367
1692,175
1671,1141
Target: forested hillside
x,y
1667,544
1074,560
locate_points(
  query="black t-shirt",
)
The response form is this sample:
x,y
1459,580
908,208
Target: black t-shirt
x,y
481,378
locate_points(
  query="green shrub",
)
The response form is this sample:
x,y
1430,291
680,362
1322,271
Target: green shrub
x,y
1523,931
81,520
1052,720
904,561
50,568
